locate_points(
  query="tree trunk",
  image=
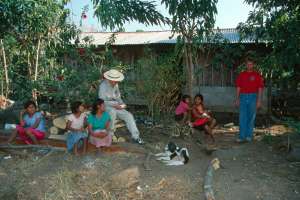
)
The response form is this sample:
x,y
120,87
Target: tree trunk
x,y
190,68
5,69
29,66
269,94
34,91
189,85
37,59
190,54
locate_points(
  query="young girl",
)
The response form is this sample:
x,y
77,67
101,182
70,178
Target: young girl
x,y
98,125
76,126
202,118
181,112
32,125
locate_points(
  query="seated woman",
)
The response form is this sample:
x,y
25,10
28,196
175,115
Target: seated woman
x,y
181,112
98,125
32,125
76,126
202,118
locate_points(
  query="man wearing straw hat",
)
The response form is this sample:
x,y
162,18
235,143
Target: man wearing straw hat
x,y
110,93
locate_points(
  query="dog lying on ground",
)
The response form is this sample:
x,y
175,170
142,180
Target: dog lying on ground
x,y
173,155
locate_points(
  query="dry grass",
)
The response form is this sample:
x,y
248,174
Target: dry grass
x,y
67,185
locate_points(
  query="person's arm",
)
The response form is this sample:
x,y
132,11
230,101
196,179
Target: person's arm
x,y
38,120
196,112
85,123
106,93
260,91
237,98
118,96
107,126
90,129
97,134
238,83
22,123
259,97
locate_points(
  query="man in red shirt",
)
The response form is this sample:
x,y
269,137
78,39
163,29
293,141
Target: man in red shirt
x,y
249,89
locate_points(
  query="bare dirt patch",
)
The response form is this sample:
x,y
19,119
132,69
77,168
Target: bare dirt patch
x,y
250,171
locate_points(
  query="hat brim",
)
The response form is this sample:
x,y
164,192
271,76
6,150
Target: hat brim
x,y
118,78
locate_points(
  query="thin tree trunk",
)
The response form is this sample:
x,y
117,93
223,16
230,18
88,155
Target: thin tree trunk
x,y
34,91
189,68
29,66
190,54
2,86
37,59
269,94
5,69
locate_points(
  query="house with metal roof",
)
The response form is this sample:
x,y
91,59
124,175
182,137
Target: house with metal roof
x,y
217,84
153,37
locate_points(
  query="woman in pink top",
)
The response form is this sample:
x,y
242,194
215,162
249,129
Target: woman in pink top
x,y
181,112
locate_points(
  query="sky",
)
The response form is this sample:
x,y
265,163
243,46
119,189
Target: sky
x,y
230,13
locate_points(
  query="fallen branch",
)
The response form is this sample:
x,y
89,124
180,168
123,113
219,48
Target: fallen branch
x,y
146,163
208,180
10,146
14,152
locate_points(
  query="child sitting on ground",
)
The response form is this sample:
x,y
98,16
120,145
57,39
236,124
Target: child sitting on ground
x,y
202,118
32,125
181,112
76,126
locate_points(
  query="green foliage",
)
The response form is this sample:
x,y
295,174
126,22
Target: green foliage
x,y
36,37
159,80
191,18
276,22
115,13
194,21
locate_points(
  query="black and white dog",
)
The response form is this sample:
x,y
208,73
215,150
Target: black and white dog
x,y
173,155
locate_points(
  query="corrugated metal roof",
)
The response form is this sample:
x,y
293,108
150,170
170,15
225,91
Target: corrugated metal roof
x,y
151,37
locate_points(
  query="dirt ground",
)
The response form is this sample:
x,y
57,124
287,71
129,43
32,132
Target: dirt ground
x,y
249,171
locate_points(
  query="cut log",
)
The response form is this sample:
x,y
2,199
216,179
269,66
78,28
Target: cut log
x,y
146,163
10,146
208,180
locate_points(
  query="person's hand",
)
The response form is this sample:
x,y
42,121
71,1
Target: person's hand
x,y
99,134
81,129
22,112
237,102
118,107
258,104
205,115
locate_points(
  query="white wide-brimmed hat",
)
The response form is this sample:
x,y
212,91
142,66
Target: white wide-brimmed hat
x,y
113,75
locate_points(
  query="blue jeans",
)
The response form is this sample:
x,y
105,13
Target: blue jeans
x,y
247,115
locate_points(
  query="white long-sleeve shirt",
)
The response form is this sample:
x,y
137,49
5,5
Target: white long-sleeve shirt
x,y
110,94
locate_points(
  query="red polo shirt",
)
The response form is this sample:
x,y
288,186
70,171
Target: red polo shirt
x,y
249,82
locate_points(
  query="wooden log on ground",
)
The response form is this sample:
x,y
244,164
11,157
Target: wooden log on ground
x,y
11,146
208,180
146,163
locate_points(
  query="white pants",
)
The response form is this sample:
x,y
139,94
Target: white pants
x,y
127,117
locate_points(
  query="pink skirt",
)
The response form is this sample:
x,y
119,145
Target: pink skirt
x,y
101,142
39,135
